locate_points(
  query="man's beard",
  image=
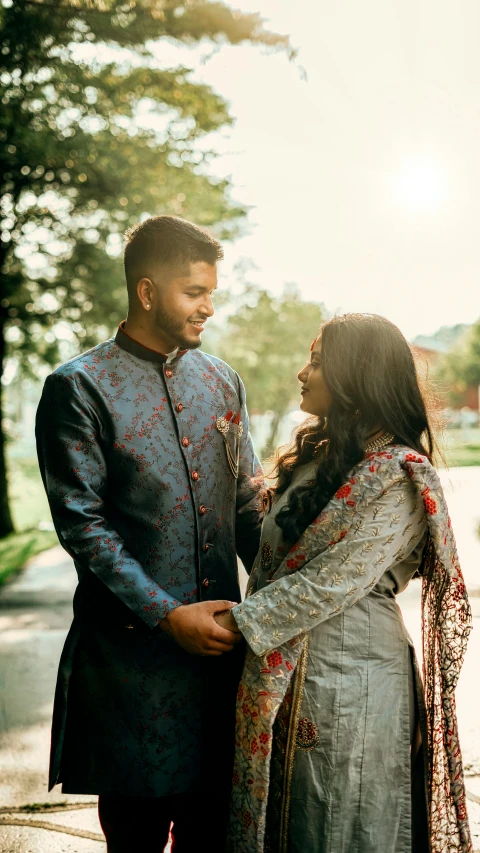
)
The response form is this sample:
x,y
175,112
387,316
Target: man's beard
x,y
174,329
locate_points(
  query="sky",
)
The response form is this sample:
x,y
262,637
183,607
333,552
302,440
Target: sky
x,y
360,160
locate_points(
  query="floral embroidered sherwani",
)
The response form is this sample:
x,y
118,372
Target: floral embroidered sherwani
x,y
323,760
145,501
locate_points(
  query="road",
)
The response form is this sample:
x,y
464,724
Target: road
x,y
35,612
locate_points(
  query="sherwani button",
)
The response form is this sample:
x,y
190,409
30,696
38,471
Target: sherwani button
x,y
202,510
168,373
206,547
185,442
179,407
195,475
206,582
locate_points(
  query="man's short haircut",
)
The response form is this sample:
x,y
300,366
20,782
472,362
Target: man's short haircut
x,y
166,241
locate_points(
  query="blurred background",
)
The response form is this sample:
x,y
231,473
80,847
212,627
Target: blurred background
x,y
333,147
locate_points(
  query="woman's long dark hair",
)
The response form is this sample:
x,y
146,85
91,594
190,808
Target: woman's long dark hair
x,y
368,368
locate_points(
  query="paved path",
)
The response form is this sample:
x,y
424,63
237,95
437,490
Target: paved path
x,y
35,612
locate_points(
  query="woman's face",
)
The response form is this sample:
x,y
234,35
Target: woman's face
x,y
316,398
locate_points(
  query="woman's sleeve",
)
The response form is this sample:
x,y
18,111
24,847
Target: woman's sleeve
x,y
385,532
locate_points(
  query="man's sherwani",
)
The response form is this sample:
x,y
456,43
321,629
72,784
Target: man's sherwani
x,y
143,498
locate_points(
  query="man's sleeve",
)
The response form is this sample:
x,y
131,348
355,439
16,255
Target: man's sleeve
x,y
250,492
386,532
74,473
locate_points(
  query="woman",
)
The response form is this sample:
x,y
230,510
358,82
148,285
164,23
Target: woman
x,y
338,749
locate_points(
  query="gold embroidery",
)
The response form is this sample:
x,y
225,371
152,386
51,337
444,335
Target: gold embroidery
x,y
307,735
266,558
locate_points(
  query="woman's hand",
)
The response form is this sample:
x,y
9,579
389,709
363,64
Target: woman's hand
x,y
226,619
196,629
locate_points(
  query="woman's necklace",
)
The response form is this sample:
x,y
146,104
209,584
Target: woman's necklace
x,y
378,443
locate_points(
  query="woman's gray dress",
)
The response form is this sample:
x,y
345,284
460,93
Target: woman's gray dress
x,y
351,786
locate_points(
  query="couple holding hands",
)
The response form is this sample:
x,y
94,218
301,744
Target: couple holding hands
x,y
295,721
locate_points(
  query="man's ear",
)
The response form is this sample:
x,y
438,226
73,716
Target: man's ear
x,y
145,293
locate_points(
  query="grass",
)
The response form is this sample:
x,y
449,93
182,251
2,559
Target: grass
x,y
17,548
462,447
29,509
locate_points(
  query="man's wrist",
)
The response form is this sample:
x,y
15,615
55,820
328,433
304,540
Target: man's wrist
x,y
165,624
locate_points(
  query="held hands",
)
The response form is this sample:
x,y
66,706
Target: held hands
x,y
204,628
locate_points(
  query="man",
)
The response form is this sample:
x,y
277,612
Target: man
x,y
154,487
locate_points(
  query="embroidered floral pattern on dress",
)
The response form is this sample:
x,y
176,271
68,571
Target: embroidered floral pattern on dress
x,y
309,586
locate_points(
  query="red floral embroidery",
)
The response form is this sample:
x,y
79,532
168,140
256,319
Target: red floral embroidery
x,y
430,506
264,737
274,659
343,492
253,745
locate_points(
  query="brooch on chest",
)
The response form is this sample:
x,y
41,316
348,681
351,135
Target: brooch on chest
x,y
231,428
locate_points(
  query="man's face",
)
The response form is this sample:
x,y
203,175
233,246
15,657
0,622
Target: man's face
x,y
183,305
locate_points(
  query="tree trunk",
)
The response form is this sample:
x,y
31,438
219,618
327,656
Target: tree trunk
x,y
271,444
6,523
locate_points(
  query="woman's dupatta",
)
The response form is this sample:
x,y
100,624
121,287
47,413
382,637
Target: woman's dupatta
x,y
446,624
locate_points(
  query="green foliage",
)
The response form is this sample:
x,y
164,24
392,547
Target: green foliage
x,y
17,548
459,369
77,167
267,339
88,147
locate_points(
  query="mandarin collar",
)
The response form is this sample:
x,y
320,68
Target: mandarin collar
x,y
123,340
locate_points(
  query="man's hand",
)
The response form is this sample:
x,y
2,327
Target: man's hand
x,y
195,629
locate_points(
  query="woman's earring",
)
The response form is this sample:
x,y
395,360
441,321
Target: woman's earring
x,y
147,306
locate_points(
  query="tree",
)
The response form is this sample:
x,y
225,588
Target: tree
x,y
459,369
77,165
267,339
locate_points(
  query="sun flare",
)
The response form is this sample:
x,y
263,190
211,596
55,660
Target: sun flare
x,y
421,186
